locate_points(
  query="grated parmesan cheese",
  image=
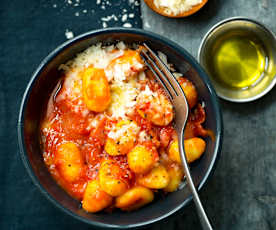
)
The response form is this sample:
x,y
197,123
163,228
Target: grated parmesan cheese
x,y
127,130
124,86
147,93
176,6
69,34
143,136
124,17
95,55
123,98
127,25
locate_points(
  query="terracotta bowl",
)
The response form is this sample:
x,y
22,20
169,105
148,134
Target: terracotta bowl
x,y
161,10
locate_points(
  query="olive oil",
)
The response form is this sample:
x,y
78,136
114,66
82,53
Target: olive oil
x,y
238,60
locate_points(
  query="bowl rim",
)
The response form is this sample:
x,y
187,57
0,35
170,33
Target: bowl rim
x,y
192,61
221,23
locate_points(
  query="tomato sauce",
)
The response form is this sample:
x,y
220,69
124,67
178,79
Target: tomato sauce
x,y
62,124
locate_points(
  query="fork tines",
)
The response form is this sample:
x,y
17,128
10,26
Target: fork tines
x,y
161,71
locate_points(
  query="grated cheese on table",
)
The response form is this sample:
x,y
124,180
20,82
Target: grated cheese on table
x,y
80,7
69,34
127,25
176,6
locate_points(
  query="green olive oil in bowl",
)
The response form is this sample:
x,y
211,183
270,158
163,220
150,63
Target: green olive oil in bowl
x,y
239,56
238,60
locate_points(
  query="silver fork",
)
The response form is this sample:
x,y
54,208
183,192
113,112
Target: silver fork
x,y
177,96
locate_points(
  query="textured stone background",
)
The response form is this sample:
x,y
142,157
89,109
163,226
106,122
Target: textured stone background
x,y
30,30
242,193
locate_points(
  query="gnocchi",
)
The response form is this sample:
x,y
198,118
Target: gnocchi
x,y
176,175
108,135
95,199
157,178
110,176
122,139
194,148
96,90
134,198
189,91
141,159
69,162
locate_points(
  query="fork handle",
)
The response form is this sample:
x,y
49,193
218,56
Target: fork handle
x,y
205,223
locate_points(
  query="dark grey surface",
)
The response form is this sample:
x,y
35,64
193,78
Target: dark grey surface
x,y
242,193
30,30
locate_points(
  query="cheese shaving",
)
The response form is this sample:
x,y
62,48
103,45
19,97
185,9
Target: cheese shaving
x,y
175,7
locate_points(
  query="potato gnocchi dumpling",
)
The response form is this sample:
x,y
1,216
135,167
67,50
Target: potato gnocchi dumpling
x,y
69,161
176,175
157,178
134,198
108,135
95,199
189,91
141,159
110,176
96,90
194,148
121,140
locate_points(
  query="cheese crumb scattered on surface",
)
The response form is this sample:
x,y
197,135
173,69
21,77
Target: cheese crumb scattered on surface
x,y
124,18
69,34
176,6
104,24
109,18
127,25
147,25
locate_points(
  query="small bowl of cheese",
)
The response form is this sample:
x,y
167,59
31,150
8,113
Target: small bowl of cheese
x,y
175,8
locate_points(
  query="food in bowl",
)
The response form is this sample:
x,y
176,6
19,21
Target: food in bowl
x,y
107,133
176,8
239,54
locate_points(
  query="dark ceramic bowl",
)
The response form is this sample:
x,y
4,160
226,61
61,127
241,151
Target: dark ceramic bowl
x,y
37,93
